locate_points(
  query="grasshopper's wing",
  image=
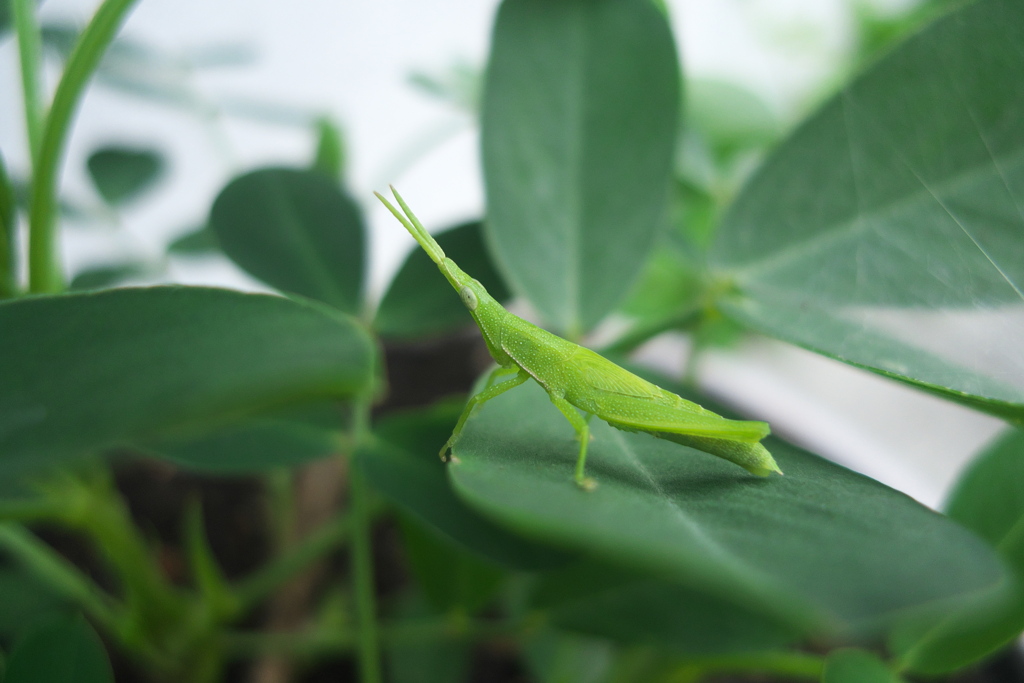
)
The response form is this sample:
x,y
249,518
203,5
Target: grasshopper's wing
x,y
626,401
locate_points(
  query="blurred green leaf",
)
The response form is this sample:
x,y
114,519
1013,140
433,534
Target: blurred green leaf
x,y
820,546
60,38
27,603
104,277
459,85
6,17
731,117
555,657
251,445
421,303
588,597
879,27
83,372
66,650
849,665
432,661
199,242
404,466
450,577
72,213
121,174
295,230
580,114
330,149
989,500
667,285
886,231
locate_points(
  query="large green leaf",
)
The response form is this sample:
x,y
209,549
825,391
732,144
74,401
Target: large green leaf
x,y
121,174
420,302
296,230
888,231
820,545
989,500
85,371
66,650
579,121
403,464
589,597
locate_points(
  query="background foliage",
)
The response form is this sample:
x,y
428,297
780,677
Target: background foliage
x,y
617,191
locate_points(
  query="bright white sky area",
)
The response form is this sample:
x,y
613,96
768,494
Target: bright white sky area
x,y
351,61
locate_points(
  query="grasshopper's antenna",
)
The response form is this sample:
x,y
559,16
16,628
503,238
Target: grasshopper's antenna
x,y
414,227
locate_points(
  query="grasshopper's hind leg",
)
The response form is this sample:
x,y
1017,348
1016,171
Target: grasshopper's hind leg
x,y
582,427
481,398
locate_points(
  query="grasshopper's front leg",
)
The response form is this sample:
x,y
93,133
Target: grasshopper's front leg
x,y
582,427
481,398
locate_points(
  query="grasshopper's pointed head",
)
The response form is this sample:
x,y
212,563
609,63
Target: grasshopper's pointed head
x,y
481,305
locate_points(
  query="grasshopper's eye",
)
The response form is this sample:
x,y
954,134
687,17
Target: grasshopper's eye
x,y
468,298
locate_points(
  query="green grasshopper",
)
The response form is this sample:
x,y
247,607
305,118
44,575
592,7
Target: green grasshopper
x,y
577,378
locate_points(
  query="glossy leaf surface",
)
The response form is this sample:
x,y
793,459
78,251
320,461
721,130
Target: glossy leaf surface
x,y
989,500
295,230
888,231
67,650
420,302
580,114
121,174
819,545
404,466
130,364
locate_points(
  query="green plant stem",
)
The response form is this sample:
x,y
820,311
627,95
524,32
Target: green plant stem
x,y
787,664
29,510
44,272
362,558
47,565
96,508
261,583
30,52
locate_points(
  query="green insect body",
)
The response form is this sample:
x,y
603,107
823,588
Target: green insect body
x,y
578,379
